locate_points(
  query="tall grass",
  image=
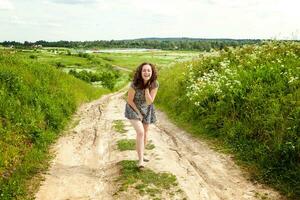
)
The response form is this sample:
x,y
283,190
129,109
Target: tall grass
x,y
249,99
36,102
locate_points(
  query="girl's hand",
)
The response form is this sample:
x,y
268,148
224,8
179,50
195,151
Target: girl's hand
x,y
148,85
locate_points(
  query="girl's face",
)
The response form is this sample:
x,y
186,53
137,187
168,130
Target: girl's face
x,y
146,72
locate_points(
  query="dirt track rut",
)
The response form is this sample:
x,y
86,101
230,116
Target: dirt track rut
x,y
84,167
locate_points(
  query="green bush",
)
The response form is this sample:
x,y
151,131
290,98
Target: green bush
x,y
108,78
60,65
33,56
85,55
247,97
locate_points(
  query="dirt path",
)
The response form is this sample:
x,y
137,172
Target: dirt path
x,y
85,163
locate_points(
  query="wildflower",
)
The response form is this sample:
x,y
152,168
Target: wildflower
x,y
197,103
292,79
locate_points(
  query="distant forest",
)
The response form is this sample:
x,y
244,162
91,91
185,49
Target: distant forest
x,y
149,43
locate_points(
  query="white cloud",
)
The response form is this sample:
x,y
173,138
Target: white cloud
x,y
124,19
6,5
72,2
15,20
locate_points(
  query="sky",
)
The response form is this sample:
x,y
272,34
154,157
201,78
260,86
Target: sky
x,y
88,20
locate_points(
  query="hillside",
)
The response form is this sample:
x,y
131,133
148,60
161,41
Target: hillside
x,y
36,102
248,101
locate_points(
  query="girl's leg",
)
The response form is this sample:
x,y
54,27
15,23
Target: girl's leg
x,y
146,127
138,126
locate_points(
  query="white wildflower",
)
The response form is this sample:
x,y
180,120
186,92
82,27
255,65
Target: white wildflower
x,y
292,79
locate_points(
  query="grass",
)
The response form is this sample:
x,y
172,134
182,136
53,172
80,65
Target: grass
x,y
146,182
78,62
94,61
118,126
160,58
129,144
246,100
36,103
37,100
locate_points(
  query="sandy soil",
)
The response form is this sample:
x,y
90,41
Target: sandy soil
x,y
86,157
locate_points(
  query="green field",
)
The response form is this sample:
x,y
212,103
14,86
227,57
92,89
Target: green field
x,y
130,59
159,57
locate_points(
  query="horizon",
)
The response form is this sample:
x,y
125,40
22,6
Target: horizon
x,y
154,38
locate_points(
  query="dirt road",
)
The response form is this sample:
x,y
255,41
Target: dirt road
x,y
85,165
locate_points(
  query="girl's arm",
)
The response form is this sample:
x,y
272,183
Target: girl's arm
x,y
150,95
131,93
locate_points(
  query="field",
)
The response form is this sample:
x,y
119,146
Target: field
x,y
243,101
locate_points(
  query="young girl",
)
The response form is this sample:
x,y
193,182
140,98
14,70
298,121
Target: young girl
x,y
139,107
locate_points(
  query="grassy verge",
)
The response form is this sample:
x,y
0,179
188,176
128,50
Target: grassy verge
x,y
146,182
36,102
247,100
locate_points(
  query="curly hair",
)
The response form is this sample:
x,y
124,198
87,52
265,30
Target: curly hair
x,y
138,79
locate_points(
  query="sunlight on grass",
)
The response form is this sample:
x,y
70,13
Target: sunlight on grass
x,y
118,126
146,182
129,144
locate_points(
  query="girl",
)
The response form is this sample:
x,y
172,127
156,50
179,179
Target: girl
x,y
139,107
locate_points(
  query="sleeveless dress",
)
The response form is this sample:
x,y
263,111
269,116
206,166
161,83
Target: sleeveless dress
x,y
148,111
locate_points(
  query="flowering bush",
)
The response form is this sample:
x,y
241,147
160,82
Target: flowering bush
x,y
229,72
249,97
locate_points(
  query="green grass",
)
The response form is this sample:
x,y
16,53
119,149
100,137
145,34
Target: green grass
x,y
36,103
160,58
247,100
146,182
85,66
118,126
96,61
150,145
129,144
50,58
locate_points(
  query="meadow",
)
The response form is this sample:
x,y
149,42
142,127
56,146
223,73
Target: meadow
x,y
244,101
162,58
247,101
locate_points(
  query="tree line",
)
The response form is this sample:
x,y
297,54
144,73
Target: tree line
x,y
149,43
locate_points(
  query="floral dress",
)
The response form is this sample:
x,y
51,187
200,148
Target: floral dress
x,y
148,111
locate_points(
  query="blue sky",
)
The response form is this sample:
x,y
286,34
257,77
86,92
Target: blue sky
x,y
53,20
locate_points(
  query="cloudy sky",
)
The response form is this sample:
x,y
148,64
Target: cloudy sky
x,y
53,20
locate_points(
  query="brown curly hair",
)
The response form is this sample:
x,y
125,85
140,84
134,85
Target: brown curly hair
x,y
138,79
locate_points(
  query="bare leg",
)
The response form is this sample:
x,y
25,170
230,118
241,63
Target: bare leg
x,y
146,127
138,126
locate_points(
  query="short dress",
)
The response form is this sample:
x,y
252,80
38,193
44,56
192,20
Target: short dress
x,y
148,111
